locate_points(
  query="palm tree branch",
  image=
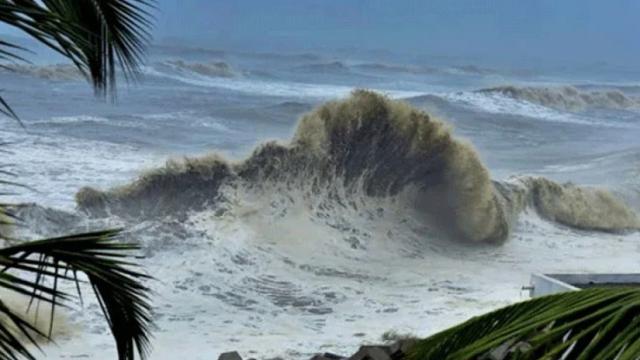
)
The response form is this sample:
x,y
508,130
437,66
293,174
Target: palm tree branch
x,y
119,290
98,36
6,110
10,345
587,324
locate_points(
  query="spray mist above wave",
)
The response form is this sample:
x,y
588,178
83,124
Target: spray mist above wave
x,y
364,150
567,97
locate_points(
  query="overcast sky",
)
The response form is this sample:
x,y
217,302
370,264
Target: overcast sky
x,y
583,31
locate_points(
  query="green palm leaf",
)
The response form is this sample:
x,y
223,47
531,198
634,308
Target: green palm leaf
x,y
105,262
100,37
97,35
6,110
589,324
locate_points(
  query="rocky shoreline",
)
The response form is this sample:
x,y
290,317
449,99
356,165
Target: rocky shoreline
x,y
396,351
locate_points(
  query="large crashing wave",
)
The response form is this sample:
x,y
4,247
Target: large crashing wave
x,y
368,149
567,97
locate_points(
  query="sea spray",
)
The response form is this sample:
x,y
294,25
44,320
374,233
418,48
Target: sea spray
x,y
365,149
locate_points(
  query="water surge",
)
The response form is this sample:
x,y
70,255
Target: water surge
x,y
365,152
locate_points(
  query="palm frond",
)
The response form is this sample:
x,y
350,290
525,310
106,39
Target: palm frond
x,y
9,51
117,285
593,324
11,347
98,36
6,110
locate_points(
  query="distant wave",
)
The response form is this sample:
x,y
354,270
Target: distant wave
x,y
283,56
395,68
371,68
186,50
472,70
55,72
504,105
253,86
246,84
625,88
366,155
329,67
211,69
567,97
67,72
291,107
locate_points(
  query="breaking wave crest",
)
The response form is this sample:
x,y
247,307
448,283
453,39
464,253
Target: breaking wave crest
x,y
367,152
567,97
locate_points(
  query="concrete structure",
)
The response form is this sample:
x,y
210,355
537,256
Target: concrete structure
x,y
545,284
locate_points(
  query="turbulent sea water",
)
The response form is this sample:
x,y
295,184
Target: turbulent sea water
x,y
283,214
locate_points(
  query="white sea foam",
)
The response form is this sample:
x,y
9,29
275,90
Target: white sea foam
x,y
290,287
44,164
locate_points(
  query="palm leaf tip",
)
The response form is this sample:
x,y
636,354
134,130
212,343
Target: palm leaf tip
x,y
98,36
119,289
6,110
589,324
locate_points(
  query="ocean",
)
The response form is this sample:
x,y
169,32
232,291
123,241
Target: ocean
x,y
282,212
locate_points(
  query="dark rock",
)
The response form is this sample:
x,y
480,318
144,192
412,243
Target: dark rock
x,y
400,349
333,356
372,352
328,356
232,355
